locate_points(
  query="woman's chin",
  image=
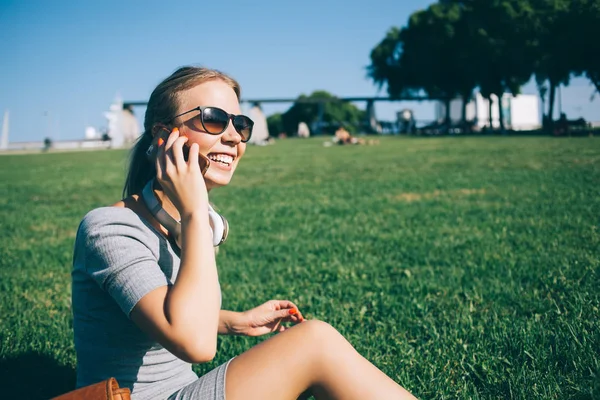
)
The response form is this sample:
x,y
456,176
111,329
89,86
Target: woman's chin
x,y
215,179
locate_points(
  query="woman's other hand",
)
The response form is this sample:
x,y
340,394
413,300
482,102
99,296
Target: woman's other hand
x,y
267,318
181,180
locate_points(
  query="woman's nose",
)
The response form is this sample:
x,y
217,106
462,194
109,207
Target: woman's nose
x,y
231,135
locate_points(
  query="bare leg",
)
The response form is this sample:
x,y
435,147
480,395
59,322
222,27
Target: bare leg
x,y
311,355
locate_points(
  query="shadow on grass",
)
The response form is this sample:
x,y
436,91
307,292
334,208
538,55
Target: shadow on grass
x,y
34,376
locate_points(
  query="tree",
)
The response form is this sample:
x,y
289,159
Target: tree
x,y
321,107
584,17
554,62
275,124
496,45
431,54
385,67
502,45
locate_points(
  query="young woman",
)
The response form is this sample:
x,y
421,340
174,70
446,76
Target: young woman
x,y
146,295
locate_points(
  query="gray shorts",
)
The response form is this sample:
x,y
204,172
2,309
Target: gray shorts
x,y
210,386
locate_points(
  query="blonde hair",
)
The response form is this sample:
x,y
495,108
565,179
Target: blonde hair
x,y
162,106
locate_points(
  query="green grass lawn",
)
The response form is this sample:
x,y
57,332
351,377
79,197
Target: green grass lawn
x,y
462,267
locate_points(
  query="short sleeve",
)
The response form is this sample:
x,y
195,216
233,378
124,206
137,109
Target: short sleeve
x,y
118,257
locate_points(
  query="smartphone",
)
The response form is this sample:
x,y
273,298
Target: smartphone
x,y
162,131
203,161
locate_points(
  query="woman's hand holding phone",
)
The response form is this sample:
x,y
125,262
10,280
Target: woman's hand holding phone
x,y
161,134
181,179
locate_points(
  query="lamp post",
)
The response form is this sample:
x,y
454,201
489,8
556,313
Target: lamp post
x,y
4,140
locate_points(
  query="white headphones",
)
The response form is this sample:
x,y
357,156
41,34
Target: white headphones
x,y
218,224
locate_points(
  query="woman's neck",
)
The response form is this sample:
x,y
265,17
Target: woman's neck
x,y
136,203
166,204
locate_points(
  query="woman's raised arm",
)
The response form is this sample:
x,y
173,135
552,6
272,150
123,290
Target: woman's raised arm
x,y
184,318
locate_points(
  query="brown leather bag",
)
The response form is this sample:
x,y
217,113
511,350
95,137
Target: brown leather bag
x,y
105,390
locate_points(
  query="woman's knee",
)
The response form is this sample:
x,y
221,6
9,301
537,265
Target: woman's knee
x,y
318,332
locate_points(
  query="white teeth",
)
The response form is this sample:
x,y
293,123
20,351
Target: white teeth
x,y
222,158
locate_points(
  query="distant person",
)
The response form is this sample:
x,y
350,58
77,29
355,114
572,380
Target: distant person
x,y
303,130
146,293
561,127
342,136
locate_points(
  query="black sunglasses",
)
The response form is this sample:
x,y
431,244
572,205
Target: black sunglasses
x,y
214,120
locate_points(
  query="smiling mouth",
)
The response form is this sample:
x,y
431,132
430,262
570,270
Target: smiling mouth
x,y
223,159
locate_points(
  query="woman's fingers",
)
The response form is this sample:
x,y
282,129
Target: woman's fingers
x,y
174,149
172,138
286,313
289,314
159,162
281,304
169,156
161,154
292,310
296,318
277,326
177,151
300,316
193,157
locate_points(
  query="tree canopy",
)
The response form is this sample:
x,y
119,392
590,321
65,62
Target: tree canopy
x,y
456,46
332,114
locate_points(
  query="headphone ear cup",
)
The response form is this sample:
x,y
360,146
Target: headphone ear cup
x,y
220,227
225,230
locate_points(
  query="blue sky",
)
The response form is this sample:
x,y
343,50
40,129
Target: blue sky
x,y
63,62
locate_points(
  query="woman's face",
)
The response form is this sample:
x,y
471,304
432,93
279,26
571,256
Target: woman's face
x,y
224,150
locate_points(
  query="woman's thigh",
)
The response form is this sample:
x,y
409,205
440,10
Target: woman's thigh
x,y
282,367
311,355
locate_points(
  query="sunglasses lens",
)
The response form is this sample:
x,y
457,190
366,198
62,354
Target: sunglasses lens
x,y
197,123
215,120
243,125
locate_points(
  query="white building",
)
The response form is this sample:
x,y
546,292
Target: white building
x,y
260,132
123,127
521,112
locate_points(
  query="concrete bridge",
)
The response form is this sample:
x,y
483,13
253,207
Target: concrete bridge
x,y
371,118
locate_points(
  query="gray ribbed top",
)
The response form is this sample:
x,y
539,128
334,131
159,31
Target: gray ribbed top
x,y
118,259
